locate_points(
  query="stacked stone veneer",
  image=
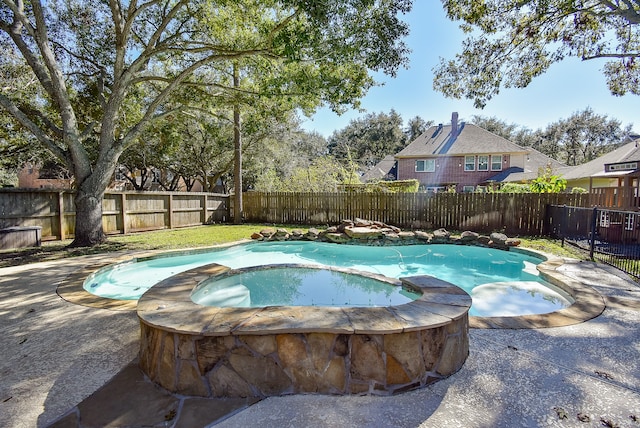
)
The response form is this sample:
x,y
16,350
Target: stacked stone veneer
x,y
257,352
364,232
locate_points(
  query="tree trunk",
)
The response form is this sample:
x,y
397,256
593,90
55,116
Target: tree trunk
x,y
237,141
88,230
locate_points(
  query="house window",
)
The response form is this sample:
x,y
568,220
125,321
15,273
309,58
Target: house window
x,y
435,189
426,165
623,166
470,163
483,163
629,219
604,219
496,162
468,189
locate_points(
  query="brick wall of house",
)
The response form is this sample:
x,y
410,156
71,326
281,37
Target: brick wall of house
x,y
449,170
29,178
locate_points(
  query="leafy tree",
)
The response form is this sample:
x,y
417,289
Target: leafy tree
x,y
96,95
369,139
515,188
324,174
512,41
584,136
415,127
548,182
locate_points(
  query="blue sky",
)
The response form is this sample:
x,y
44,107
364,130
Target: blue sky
x,y
567,87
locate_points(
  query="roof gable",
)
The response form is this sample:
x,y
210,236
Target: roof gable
x,y
471,139
628,153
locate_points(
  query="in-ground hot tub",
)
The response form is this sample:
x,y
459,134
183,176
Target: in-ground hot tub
x,y
240,351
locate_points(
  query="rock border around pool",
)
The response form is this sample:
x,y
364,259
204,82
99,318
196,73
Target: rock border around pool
x,y
258,352
374,233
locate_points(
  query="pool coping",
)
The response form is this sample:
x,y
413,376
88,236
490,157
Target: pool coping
x,y
588,303
164,305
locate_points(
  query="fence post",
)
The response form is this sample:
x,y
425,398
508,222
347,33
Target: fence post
x,y
61,221
594,220
563,224
123,202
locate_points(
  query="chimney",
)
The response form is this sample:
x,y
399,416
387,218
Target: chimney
x,y
454,124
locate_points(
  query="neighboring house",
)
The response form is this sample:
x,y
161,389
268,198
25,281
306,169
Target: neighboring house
x,y
616,175
386,169
51,177
47,176
466,158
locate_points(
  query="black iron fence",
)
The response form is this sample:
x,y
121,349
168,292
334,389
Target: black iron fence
x,y
610,236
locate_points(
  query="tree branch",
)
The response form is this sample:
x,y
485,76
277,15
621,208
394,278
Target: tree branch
x,y
43,138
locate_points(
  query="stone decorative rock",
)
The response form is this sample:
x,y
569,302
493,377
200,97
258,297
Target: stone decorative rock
x,y
484,240
440,236
267,233
296,235
512,242
469,236
423,236
363,232
375,233
498,238
312,234
338,238
406,236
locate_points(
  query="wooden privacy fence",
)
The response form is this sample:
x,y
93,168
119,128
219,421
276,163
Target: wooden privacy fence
x,y
123,212
518,213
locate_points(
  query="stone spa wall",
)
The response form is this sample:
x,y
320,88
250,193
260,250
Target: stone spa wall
x,y
258,352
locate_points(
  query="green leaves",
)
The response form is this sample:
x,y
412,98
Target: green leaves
x,y
513,41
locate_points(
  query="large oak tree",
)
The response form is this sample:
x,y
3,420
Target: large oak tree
x,y
511,42
101,72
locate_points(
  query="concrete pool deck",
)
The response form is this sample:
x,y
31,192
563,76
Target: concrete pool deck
x,y
67,365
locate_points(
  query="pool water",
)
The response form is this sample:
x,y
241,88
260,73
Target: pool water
x,y
517,287
299,286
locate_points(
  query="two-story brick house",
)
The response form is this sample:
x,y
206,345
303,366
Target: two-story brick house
x,y
464,156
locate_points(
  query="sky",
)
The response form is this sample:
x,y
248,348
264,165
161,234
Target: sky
x,y
566,88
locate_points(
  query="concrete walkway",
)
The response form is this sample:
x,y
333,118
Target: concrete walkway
x,y
63,364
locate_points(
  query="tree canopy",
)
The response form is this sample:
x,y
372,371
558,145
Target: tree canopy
x,y
369,139
86,78
511,42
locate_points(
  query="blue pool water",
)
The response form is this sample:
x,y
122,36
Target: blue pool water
x,y
299,286
501,283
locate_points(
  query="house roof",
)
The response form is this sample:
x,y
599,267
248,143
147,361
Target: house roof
x,y
382,169
534,161
630,152
471,139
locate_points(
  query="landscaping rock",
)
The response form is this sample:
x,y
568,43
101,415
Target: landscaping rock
x,y
296,235
468,236
337,237
406,236
357,232
312,234
423,236
512,242
498,238
483,240
375,233
440,236
359,222
267,233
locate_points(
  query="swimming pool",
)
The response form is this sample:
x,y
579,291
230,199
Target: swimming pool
x,y
501,283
